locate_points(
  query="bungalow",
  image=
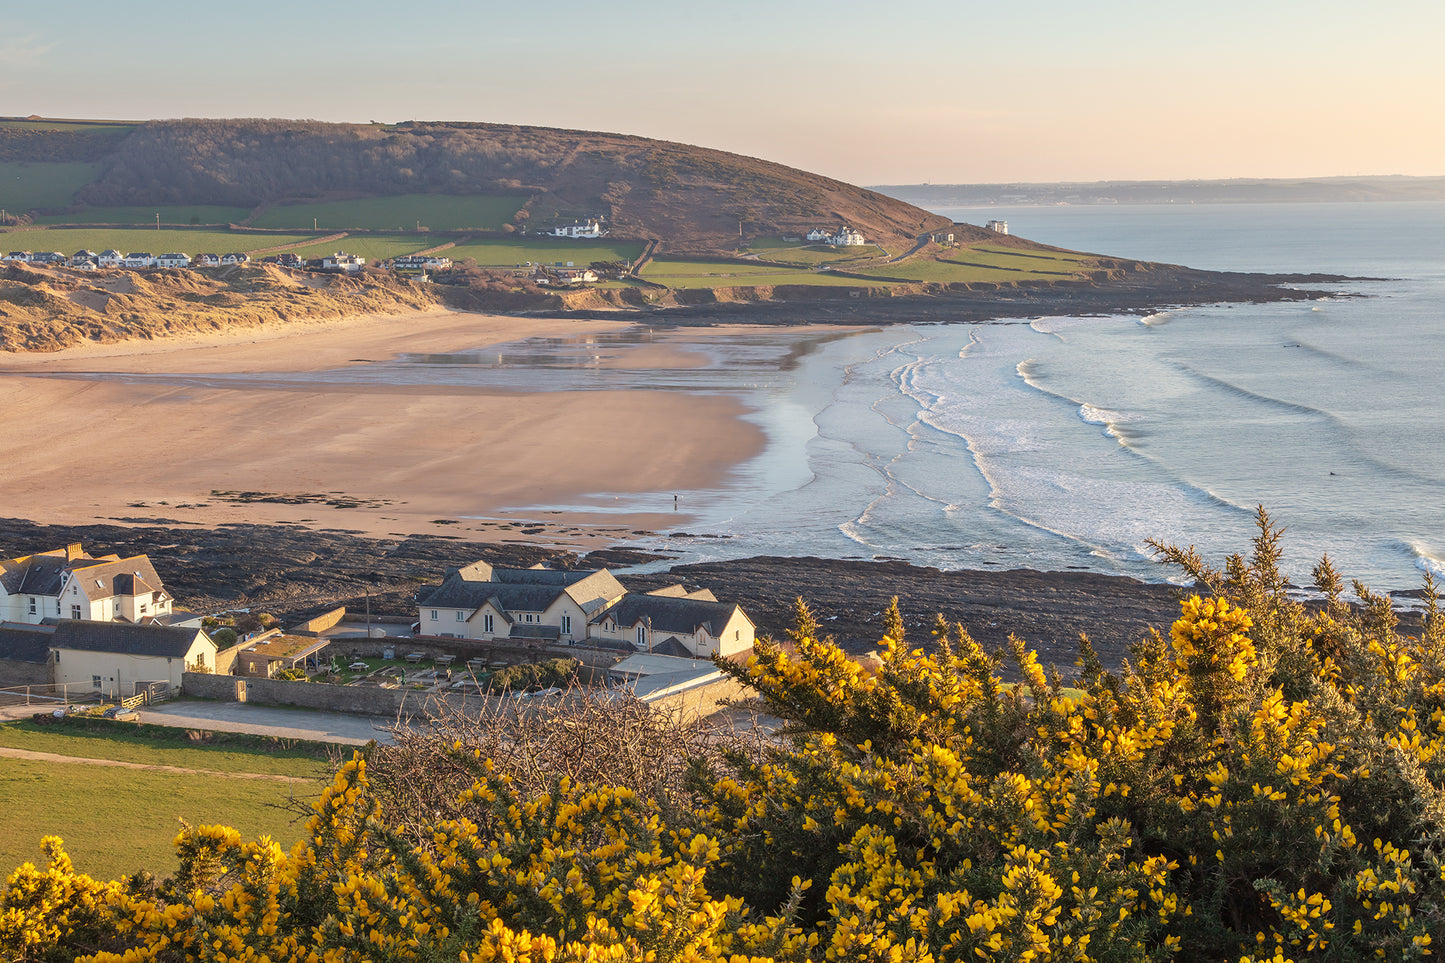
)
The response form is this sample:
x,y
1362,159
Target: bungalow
x,y
139,261
115,658
239,258
69,583
482,602
206,260
21,256
343,262
588,228
111,259
665,623
84,265
275,653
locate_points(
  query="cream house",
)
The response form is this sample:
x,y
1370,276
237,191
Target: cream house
x,y
482,602
114,657
669,623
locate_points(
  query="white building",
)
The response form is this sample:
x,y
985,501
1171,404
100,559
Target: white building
x,y
139,261
70,584
235,258
482,602
670,623
588,228
341,261
998,227
847,237
173,260
110,259
21,257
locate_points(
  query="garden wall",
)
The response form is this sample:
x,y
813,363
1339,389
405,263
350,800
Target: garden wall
x,y
355,699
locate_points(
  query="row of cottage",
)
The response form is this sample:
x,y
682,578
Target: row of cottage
x,y
70,618
144,260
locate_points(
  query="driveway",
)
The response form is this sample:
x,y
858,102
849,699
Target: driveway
x,y
282,723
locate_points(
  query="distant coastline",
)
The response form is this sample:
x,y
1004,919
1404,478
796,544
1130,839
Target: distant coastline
x,y
1232,191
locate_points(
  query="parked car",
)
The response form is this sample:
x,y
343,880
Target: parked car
x,y
122,714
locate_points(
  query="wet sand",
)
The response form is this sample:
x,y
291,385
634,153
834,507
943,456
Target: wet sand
x,y
143,431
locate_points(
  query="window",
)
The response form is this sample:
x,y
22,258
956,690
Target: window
x,y
95,681
461,616
434,615
32,605
75,611
566,625
641,635
487,624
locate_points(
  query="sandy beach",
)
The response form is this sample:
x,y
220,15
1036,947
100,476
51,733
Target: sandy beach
x,y
151,431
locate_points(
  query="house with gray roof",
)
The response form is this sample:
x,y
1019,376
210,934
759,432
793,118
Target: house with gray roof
x,y
666,623
68,583
116,657
540,604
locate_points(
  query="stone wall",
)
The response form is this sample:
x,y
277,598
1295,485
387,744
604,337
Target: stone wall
x,y
356,699
25,673
321,623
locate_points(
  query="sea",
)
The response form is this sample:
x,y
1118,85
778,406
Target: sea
x,y
1069,443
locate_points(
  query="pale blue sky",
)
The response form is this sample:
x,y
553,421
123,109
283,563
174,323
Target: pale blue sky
x,y
887,92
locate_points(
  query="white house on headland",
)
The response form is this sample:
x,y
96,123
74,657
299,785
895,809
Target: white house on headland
x,y
548,605
67,583
588,228
173,260
113,657
998,227
845,236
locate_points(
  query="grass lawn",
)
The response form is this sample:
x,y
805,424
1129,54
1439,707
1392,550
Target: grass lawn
x,y
202,213
811,255
373,247
945,272
169,746
1031,262
116,821
501,253
440,212
24,185
708,274
68,240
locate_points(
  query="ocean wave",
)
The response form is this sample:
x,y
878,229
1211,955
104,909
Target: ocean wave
x,y
1157,319
1427,559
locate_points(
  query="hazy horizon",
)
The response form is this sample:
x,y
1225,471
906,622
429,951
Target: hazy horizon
x,y
935,92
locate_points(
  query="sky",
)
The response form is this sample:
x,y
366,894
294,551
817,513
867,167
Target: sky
x,y
885,92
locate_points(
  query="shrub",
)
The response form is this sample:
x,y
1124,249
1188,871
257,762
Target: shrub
x,y
1262,783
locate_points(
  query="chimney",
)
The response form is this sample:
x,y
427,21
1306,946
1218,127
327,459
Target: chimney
x,y
74,551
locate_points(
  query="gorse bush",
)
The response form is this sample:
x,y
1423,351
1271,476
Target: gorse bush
x,y
1263,783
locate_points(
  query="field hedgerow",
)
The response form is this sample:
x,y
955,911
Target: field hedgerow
x,y
1261,783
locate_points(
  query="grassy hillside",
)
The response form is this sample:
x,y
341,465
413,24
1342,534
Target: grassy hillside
x,y
448,176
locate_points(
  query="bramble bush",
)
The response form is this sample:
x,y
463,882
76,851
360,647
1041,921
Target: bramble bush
x,y
1263,783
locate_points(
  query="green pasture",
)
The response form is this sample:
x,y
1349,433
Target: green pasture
x,y
1036,262
25,186
118,820
196,213
373,247
83,128
440,212
167,746
507,253
953,272
812,255
68,240
710,274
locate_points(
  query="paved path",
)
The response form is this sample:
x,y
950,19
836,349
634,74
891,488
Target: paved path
x,y
280,723
8,753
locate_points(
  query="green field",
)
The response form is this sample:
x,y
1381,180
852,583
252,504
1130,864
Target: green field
x,y
25,186
199,214
115,821
812,255
983,264
373,247
68,240
720,274
500,253
440,212
84,128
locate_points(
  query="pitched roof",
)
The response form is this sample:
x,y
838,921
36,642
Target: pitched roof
x,y
38,574
125,638
524,589
668,614
117,576
24,644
